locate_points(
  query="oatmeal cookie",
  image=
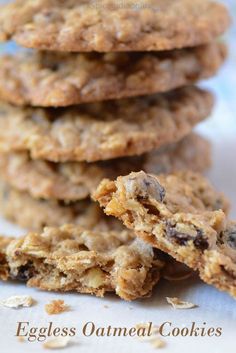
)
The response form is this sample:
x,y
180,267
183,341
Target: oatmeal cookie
x,y
70,258
59,79
172,214
73,181
105,26
27,212
4,268
105,130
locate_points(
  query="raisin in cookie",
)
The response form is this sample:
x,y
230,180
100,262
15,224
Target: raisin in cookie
x,y
73,181
59,79
106,130
175,215
73,259
107,26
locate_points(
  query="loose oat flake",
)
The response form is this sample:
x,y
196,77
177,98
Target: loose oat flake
x,y
158,343
59,342
179,304
154,339
17,301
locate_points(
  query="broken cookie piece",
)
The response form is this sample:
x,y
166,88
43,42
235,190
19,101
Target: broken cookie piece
x,y
72,259
180,214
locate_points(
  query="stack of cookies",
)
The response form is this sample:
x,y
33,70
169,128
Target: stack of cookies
x,y
109,89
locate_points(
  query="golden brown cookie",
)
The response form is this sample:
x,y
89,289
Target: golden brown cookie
x,y
104,130
173,213
75,181
4,268
109,25
73,259
59,79
27,212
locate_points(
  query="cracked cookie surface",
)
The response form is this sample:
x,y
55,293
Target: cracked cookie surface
x,y
70,258
102,131
59,79
106,26
174,213
75,181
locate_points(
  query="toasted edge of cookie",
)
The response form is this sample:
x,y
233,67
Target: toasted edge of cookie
x,y
76,181
105,130
53,79
35,214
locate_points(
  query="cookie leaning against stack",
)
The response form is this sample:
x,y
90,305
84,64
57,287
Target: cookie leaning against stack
x,y
112,92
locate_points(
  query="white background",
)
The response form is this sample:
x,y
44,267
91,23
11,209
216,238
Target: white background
x,y
215,308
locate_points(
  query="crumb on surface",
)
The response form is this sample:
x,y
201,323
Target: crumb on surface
x,y
180,304
56,307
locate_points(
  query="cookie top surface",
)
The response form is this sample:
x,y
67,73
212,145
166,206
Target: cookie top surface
x,y
72,258
59,79
106,26
74,181
174,214
179,192
102,131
